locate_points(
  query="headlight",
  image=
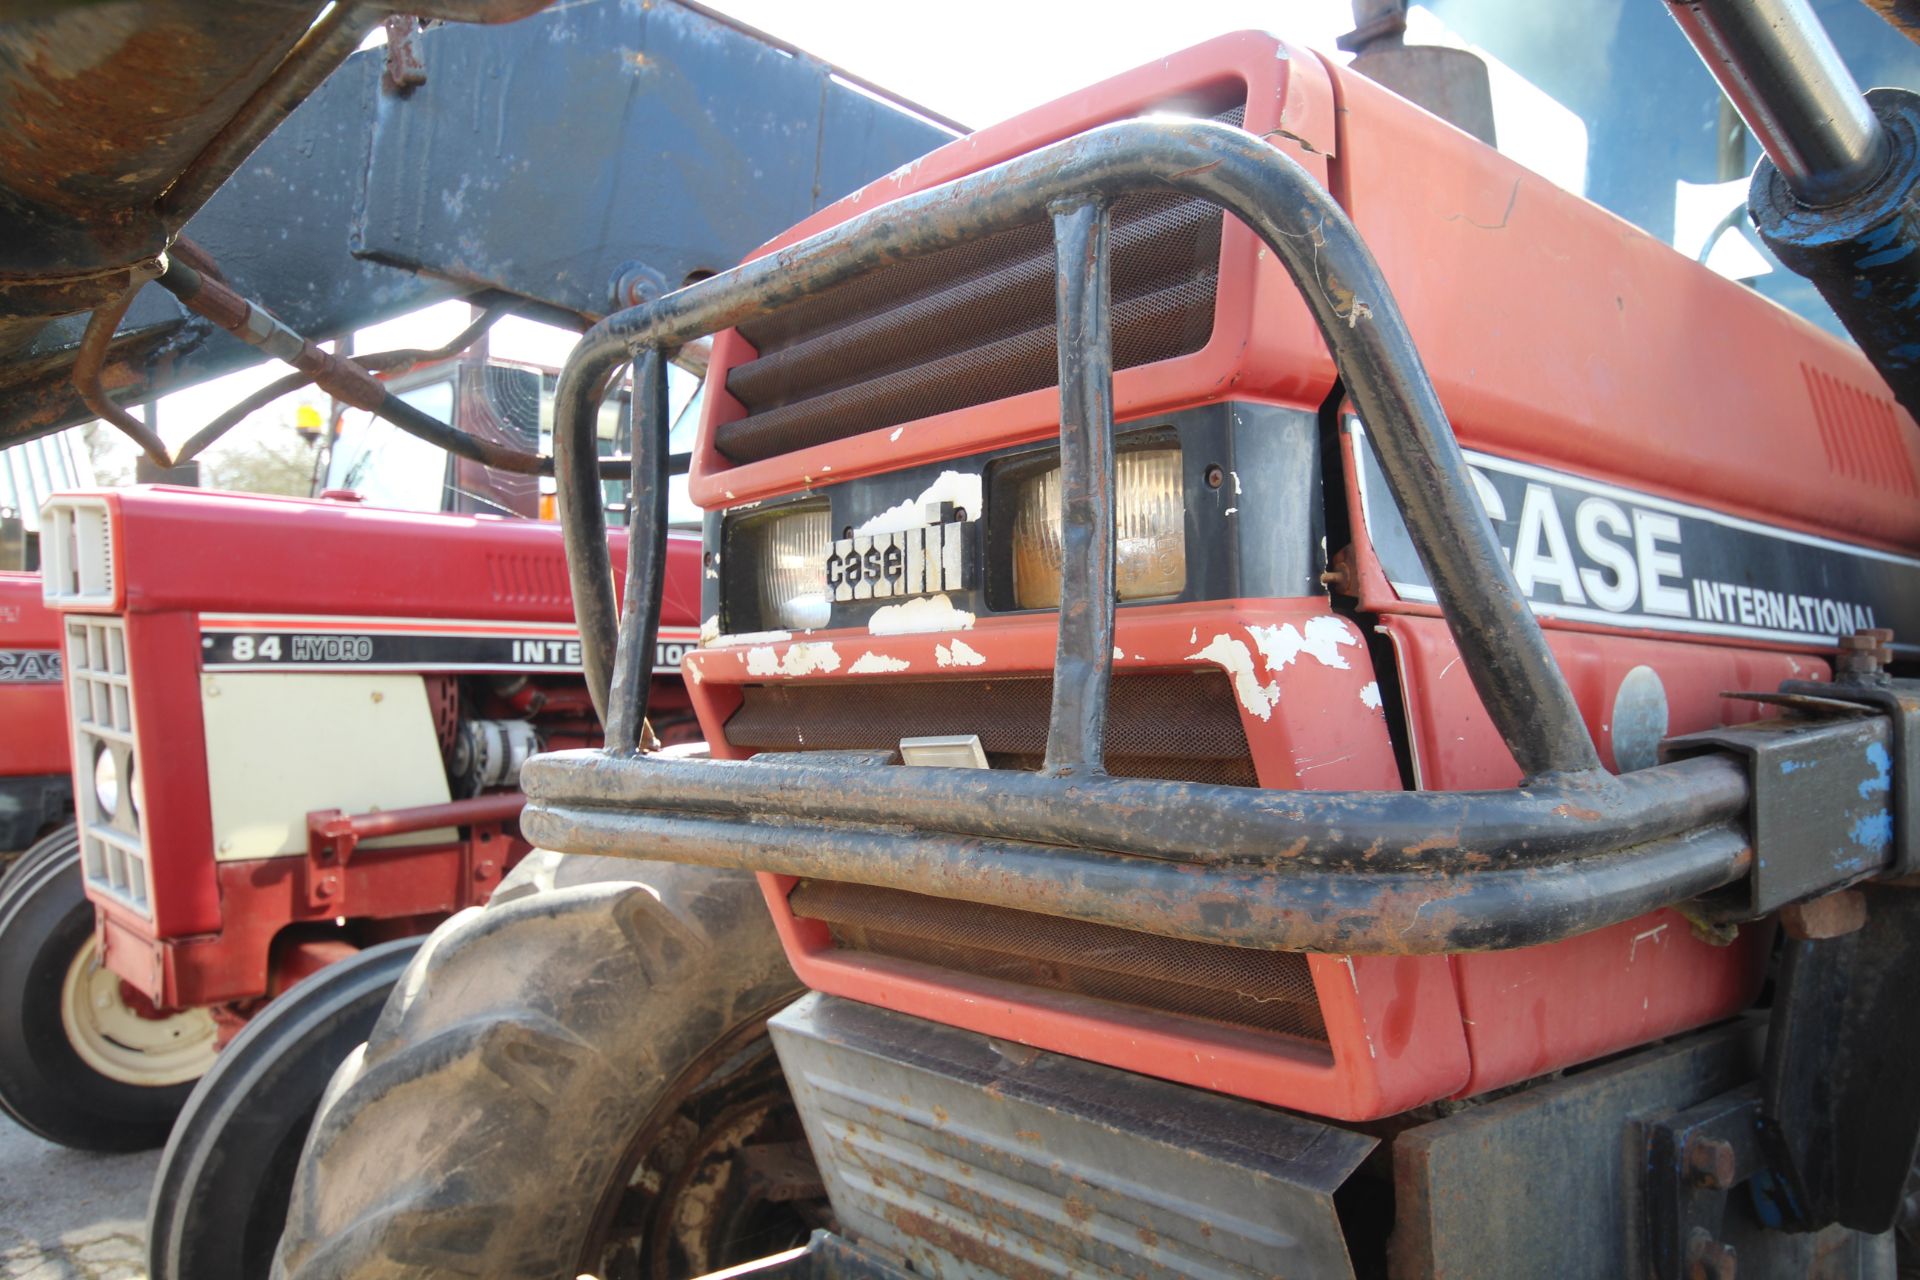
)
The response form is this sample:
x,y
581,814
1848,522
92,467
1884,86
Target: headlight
x,y
1150,531
106,781
790,555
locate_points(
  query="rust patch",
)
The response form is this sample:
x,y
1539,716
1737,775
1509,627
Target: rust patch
x,y
1195,171
1575,811
1294,138
1077,1209
968,1248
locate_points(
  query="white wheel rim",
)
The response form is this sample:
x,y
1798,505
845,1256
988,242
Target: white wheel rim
x,y
117,1042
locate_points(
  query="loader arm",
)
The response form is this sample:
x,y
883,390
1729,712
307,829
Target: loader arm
x,y
667,127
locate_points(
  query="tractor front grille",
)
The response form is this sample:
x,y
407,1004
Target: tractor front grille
x,y
113,845
1183,726
966,326
1270,991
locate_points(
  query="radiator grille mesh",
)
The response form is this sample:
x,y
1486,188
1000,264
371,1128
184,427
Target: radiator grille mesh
x,y
965,326
1259,990
1183,726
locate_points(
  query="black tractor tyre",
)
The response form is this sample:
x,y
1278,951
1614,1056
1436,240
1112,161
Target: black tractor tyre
x,y
61,843
571,1080
220,1194
46,1084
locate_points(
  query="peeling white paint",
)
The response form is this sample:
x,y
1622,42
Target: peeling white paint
x,y
959,488
1236,482
920,614
957,653
710,630
1233,657
1118,656
1229,511
894,436
1322,639
755,637
1370,696
1649,935
800,659
871,663
1352,977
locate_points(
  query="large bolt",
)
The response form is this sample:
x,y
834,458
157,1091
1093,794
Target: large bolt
x,y
1709,1259
1712,1162
1865,653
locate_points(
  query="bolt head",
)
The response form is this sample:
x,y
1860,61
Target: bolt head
x,y
1712,1161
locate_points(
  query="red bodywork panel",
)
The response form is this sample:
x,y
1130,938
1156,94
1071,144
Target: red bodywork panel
x,y
186,557
33,711
1555,333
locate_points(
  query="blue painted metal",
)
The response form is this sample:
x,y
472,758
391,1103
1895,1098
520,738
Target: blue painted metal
x,y
537,159
618,128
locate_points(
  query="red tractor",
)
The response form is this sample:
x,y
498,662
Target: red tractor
x,y
36,793
279,770
297,739
1233,815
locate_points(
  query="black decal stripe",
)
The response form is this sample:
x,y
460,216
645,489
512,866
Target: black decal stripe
x,y
1592,552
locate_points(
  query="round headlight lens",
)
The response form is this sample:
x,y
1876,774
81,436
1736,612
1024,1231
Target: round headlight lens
x,y
106,780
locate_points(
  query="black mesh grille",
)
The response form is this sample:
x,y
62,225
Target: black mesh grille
x,y
1260,990
1183,725
966,326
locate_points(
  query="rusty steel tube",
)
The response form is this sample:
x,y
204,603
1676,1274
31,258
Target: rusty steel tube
x,y
632,677
1083,655
90,361
344,378
1506,654
1194,823
1366,912
501,806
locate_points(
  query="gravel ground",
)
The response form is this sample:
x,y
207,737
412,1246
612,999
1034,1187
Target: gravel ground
x,y
71,1215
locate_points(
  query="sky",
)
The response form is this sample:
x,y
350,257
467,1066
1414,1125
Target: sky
x,y
978,64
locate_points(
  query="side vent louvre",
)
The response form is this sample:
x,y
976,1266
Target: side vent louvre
x,y
518,578
76,552
1861,434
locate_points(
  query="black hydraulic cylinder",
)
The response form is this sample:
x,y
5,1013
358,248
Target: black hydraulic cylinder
x,y
1863,252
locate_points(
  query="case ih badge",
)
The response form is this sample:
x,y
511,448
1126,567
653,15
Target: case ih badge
x,y
29,666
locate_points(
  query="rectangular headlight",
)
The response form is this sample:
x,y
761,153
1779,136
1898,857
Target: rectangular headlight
x,y
790,559
1150,530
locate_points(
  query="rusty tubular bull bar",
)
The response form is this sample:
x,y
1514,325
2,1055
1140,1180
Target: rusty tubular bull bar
x,y
1572,849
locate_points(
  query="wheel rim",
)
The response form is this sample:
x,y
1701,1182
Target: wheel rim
x,y
688,1206
119,1042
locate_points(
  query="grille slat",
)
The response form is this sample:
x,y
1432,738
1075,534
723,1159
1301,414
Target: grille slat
x,y
113,848
966,326
1183,726
1268,991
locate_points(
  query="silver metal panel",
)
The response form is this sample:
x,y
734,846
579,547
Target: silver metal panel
x,y
31,473
974,1158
